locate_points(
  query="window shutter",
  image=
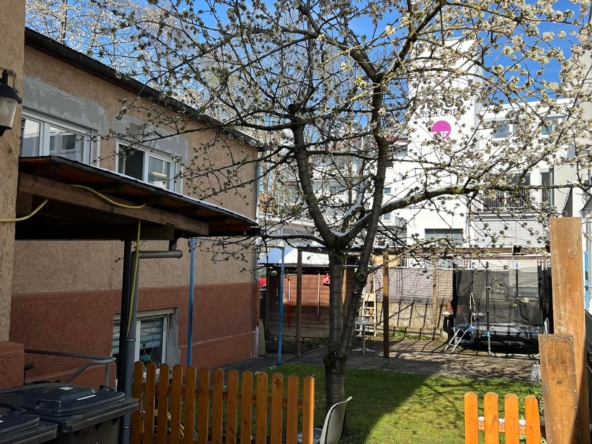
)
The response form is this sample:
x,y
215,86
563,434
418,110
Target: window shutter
x,y
151,332
116,327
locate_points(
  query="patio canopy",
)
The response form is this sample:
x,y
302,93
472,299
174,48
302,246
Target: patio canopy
x,y
79,206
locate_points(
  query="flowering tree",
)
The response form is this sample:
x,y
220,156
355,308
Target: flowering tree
x,y
351,83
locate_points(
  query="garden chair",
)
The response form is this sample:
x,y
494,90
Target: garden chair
x,y
331,431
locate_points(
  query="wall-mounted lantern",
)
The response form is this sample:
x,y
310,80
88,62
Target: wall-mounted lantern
x,y
9,99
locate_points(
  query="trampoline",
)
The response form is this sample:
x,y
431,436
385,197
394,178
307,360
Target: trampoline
x,y
507,306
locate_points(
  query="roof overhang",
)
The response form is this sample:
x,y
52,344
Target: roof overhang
x,y
75,213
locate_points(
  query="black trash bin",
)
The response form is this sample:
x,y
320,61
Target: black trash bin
x,y
18,427
83,415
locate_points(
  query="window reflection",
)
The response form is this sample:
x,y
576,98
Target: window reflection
x,y
30,131
66,143
159,172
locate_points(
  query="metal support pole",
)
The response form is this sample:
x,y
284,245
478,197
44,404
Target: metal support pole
x,y
281,296
385,306
125,296
298,301
487,291
122,375
191,296
131,336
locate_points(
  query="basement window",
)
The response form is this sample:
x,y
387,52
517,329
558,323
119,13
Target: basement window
x,y
151,336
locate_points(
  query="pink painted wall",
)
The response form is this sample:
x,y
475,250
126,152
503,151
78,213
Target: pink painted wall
x,y
82,322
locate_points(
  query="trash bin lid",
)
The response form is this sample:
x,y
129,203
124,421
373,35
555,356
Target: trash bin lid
x,y
58,399
12,421
24,428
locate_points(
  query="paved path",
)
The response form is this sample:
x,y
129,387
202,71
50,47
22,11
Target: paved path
x,y
421,358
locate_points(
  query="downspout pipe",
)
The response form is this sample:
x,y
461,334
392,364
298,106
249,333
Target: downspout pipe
x,y
256,252
191,296
127,332
174,254
127,335
125,426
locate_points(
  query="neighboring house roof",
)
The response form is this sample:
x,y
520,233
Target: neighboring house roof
x,y
274,257
55,49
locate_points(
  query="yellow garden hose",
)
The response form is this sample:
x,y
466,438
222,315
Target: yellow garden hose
x,y
137,260
111,201
20,219
169,417
133,207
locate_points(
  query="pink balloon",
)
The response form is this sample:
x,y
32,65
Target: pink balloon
x,y
441,129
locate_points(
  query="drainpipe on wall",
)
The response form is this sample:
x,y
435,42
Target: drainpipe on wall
x,y
255,252
191,295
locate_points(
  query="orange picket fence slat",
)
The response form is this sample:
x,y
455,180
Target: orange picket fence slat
x,y
174,409
492,425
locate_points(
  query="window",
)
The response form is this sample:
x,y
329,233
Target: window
x,y
453,235
44,136
502,131
547,195
387,190
399,149
151,336
510,199
550,126
336,189
386,216
154,168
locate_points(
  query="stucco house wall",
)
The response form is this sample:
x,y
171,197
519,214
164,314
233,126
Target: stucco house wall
x,y
66,294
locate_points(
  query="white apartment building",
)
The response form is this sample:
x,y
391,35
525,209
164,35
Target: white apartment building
x,y
496,220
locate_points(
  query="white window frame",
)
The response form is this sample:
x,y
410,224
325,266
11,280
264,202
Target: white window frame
x,y
150,152
91,146
500,123
142,315
559,120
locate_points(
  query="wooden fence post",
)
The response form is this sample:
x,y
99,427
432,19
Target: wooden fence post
x,y
137,393
185,396
559,389
491,413
471,418
567,273
149,403
189,405
261,409
308,406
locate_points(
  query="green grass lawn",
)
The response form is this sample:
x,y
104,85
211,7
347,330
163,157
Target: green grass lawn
x,y
393,408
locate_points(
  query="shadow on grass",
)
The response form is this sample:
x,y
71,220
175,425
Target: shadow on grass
x,y
390,407
407,402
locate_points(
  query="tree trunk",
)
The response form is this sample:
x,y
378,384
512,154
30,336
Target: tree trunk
x,y
334,378
334,359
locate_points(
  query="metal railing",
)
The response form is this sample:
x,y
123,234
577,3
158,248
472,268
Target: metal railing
x,y
94,360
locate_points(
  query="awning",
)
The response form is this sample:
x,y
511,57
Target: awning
x,y
74,212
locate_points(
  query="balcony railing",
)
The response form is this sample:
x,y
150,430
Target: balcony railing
x,y
501,201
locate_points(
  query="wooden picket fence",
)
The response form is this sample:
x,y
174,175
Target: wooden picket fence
x,y
511,425
176,413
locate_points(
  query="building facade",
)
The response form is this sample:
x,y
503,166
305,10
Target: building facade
x,y
66,295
